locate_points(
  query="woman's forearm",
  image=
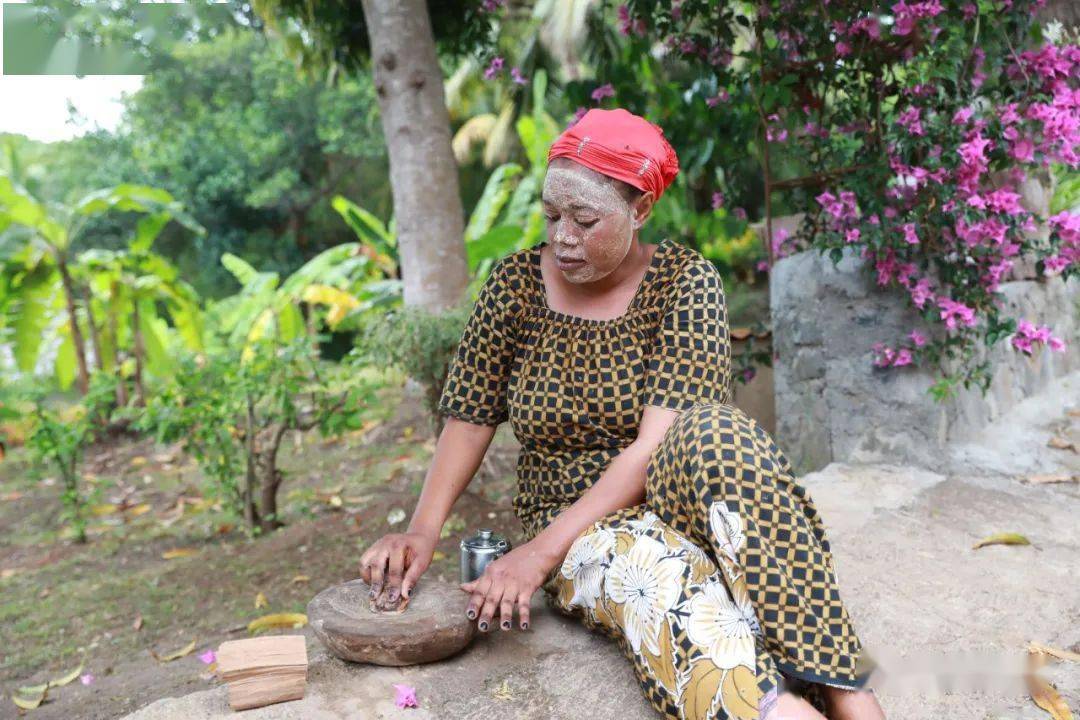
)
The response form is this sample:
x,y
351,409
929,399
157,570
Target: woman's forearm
x,y
458,453
622,484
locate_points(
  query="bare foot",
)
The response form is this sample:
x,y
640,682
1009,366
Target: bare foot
x,y
851,704
792,707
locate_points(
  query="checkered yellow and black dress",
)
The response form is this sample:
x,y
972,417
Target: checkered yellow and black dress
x,y
720,587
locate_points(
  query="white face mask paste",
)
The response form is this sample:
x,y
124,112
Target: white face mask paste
x,y
603,244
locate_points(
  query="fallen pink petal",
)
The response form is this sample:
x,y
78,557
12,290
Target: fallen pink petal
x,y
406,696
86,678
208,657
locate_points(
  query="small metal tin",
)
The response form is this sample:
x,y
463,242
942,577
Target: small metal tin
x,y
479,550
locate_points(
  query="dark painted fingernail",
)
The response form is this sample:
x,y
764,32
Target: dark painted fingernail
x,y
471,614
506,625
525,626
483,625
393,595
371,592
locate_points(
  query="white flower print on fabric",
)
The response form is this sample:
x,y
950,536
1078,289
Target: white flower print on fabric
x,y
692,548
727,528
721,625
647,584
648,519
584,565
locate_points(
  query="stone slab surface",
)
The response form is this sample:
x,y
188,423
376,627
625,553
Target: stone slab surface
x,y
929,607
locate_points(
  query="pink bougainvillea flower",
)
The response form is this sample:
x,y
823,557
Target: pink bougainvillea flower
x,y
717,200
515,73
492,5
748,374
578,114
405,696
775,134
86,678
917,337
903,357
1056,344
962,115
740,213
852,235
1054,264
843,49
953,311
602,92
909,234
493,67
208,657
720,97
1023,150
921,292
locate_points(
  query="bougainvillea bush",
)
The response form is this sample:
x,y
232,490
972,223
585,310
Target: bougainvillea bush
x,y
919,122
905,131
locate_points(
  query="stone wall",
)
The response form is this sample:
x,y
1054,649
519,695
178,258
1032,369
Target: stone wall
x,y
833,404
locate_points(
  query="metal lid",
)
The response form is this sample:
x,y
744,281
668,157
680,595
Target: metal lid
x,y
485,538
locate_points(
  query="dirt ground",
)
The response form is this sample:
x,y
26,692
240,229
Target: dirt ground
x,y
111,603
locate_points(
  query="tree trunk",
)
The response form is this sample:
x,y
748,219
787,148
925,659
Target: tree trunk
x,y
140,353
73,319
271,478
114,330
251,476
423,172
95,337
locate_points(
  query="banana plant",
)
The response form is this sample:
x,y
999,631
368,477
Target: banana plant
x,y
126,290
48,300
266,307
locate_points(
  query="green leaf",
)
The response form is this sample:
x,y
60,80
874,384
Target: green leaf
x,y
496,243
65,362
240,269
491,202
367,227
147,230
36,301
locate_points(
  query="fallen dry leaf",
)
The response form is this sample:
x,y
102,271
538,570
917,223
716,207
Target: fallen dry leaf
x,y
1047,479
260,601
30,702
137,510
438,555
1048,698
503,691
137,461
8,572
66,679
179,553
300,579
186,650
739,333
1038,647
136,625
1060,443
1002,539
105,509
278,620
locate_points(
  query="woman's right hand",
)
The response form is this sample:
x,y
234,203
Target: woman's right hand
x,y
397,560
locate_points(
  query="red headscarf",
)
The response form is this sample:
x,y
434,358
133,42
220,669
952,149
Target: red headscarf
x,y
621,145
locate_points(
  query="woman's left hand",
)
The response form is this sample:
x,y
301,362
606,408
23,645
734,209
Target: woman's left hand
x,y
508,581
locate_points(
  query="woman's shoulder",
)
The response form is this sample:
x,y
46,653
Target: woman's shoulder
x,y
683,268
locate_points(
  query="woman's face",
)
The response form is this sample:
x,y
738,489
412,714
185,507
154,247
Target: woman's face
x,y
587,220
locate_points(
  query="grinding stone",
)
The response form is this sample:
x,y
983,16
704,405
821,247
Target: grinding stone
x,y
432,627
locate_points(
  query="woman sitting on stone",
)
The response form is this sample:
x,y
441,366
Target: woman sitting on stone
x,y
653,510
